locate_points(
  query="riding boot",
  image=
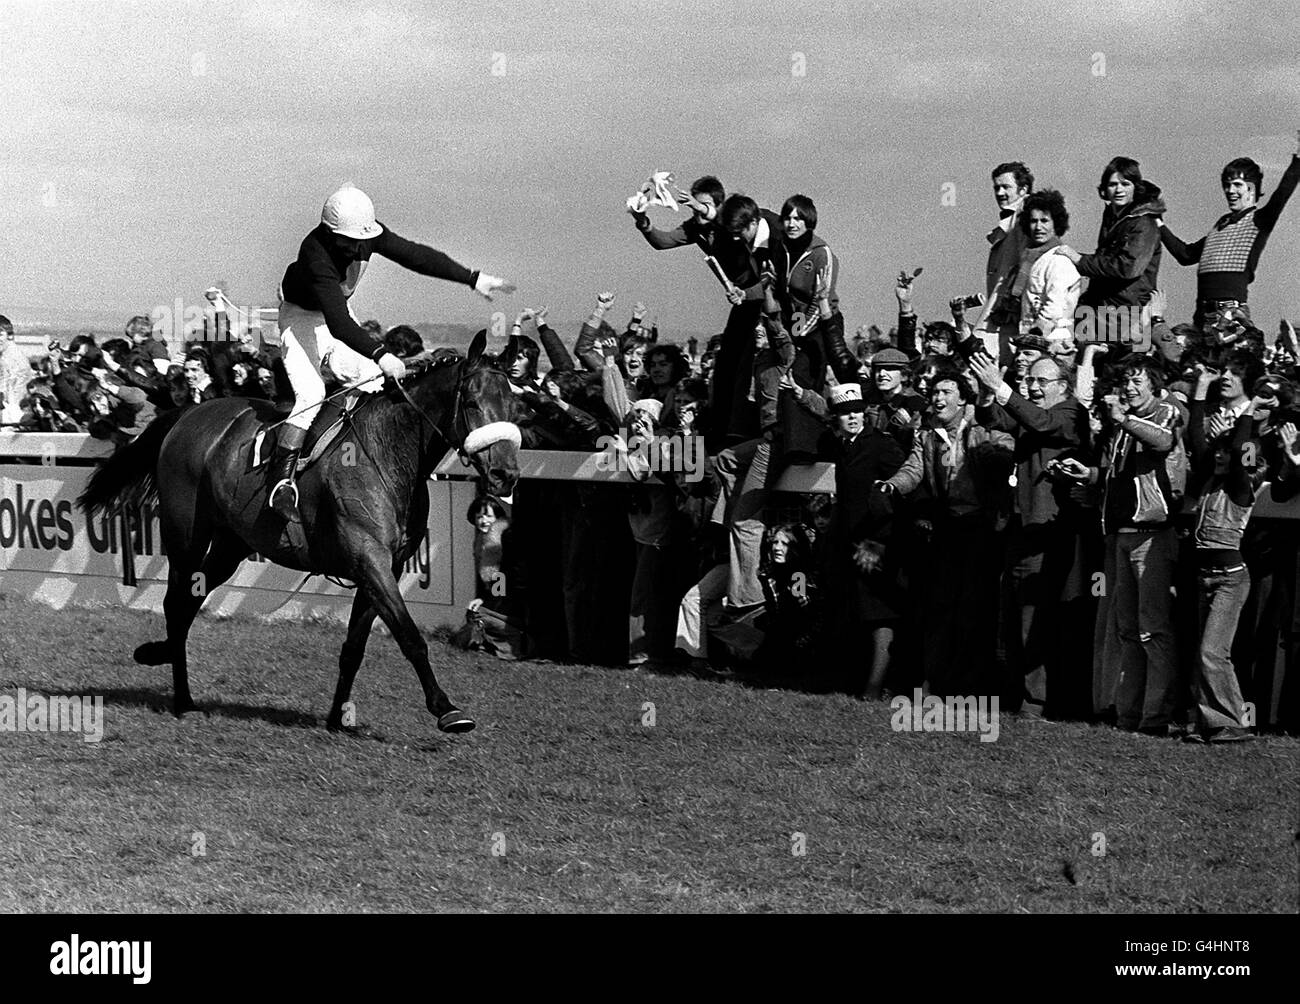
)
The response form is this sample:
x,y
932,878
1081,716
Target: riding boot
x,y
281,490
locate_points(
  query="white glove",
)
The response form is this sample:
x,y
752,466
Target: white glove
x,y
392,366
489,285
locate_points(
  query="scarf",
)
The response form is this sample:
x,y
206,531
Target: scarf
x,y
1027,259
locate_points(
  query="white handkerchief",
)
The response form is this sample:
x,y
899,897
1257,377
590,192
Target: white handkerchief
x,y
658,191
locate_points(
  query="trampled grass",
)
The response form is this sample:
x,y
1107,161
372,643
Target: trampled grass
x,y
593,809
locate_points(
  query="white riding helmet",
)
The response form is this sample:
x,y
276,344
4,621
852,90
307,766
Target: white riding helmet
x,y
350,213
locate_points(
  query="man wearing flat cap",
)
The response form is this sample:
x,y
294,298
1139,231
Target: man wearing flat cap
x,y
891,405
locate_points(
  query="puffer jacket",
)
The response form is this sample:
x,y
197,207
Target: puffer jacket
x,y
1123,271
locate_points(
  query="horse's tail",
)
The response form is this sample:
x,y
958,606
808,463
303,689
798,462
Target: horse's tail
x,y
129,474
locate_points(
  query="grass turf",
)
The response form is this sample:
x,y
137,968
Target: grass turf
x,y
565,800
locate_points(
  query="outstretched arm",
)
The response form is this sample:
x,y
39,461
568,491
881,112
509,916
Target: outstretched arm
x,y
660,240
1184,254
428,261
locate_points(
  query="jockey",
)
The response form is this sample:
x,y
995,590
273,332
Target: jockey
x,y
316,320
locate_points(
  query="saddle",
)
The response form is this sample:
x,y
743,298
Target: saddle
x,y
325,428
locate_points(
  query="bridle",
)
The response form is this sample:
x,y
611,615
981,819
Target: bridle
x,y
459,422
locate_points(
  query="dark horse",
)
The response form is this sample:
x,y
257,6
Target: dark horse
x,y
364,510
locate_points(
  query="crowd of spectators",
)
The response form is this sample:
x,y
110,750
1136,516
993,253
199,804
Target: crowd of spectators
x,y
1048,494
114,388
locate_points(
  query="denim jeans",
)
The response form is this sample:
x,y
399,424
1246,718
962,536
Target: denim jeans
x,y
1222,595
692,637
1144,617
745,515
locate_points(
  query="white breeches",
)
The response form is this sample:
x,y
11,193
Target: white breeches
x,y
306,343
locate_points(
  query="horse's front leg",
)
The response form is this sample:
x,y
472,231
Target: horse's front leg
x,y
353,651
380,585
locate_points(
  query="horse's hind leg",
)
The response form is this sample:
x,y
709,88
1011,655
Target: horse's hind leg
x,y
354,650
380,584
187,587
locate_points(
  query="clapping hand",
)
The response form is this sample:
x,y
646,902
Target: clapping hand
x,y
1219,425
986,370
1290,437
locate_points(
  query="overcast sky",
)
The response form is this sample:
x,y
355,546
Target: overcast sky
x,y
153,149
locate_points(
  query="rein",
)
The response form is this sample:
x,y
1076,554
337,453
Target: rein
x,y
424,416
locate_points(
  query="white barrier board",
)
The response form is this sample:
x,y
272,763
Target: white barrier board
x,y
51,552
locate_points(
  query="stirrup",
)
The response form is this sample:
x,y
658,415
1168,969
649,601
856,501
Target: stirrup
x,y
283,482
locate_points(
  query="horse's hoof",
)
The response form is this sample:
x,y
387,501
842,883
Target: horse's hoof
x,y
456,721
182,708
153,653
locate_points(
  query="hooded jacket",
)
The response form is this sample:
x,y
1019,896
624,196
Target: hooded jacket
x,y
1122,272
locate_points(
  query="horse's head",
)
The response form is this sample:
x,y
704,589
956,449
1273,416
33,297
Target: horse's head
x,y
486,417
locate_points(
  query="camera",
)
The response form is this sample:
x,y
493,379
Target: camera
x,y
974,300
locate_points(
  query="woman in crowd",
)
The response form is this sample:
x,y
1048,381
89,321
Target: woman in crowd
x,y
791,621
494,619
805,269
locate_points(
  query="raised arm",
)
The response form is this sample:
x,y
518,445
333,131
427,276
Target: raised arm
x,y
907,340
588,346
1266,216
561,360
1199,447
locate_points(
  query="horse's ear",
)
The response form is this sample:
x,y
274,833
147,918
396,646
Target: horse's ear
x,y
476,347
